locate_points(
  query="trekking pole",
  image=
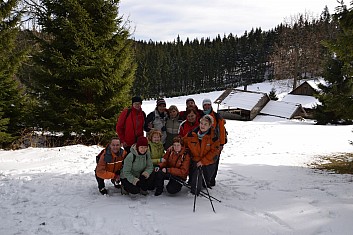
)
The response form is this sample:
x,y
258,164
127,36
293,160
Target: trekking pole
x,y
202,193
197,183
208,193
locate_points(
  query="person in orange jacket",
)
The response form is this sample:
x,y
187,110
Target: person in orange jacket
x,y
173,167
130,123
109,164
219,125
203,145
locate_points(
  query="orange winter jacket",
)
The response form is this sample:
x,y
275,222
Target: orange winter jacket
x,y
205,150
219,123
109,163
177,164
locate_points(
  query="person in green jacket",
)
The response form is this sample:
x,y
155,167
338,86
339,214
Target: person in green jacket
x,y
155,146
136,176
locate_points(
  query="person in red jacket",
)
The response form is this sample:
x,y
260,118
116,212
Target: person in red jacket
x,y
174,167
190,123
109,164
203,145
130,124
190,103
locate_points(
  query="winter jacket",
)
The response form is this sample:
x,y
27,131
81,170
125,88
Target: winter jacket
x,y
218,124
130,125
156,152
136,166
177,164
158,121
205,150
172,125
186,127
109,163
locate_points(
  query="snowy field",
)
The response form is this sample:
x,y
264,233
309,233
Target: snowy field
x,y
264,185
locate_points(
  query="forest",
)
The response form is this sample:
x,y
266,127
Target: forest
x,y
70,67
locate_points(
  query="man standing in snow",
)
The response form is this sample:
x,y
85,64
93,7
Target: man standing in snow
x,y
220,131
130,123
109,163
190,104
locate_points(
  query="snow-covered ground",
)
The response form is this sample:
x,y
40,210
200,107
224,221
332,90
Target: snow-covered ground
x,y
264,184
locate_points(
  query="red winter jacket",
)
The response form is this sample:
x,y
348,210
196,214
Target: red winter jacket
x,y
130,125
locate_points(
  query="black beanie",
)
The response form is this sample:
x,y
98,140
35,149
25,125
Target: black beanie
x,y
136,99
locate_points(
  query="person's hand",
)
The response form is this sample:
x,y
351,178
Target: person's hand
x,y
163,160
156,169
150,125
164,170
199,164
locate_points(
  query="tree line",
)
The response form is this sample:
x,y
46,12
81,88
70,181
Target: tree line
x,y
75,68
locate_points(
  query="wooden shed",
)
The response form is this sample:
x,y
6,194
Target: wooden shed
x,y
240,104
306,88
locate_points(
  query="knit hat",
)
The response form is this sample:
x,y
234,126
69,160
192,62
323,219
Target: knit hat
x,y
206,101
136,99
141,141
161,102
189,99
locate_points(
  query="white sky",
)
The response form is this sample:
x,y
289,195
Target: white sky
x,y
164,20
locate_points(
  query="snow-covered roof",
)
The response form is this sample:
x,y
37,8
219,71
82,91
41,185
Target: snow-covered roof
x,y
280,109
242,99
304,100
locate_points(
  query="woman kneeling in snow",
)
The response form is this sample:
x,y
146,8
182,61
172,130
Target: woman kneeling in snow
x,y
174,166
136,176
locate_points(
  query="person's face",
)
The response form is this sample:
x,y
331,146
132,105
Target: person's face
x,y
156,138
204,125
161,108
177,146
115,146
207,107
136,105
191,117
190,104
173,113
143,149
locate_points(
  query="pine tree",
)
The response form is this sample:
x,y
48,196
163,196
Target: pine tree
x,y
337,96
12,98
86,67
272,94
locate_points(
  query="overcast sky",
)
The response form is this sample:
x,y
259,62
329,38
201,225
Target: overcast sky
x,y
164,20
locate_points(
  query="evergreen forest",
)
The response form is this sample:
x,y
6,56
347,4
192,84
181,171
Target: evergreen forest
x,y
71,66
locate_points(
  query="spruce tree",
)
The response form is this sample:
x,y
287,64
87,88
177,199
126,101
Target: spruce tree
x,y
12,97
337,96
86,67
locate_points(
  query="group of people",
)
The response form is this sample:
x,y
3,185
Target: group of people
x,y
181,147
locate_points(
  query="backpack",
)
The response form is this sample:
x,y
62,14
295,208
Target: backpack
x,y
218,116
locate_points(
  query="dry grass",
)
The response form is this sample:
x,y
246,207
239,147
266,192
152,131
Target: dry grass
x,y
339,163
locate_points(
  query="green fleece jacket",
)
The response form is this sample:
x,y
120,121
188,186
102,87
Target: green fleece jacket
x,y
156,151
133,169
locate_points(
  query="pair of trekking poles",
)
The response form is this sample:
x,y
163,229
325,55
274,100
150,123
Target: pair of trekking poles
x,y
202,193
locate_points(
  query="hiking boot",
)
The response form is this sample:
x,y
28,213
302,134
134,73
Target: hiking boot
x,y
157,193
116,183
123,191
103,191
143,192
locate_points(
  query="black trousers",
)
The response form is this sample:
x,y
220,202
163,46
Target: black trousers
x,y
214,175
173,186
144,184
100,181
196,180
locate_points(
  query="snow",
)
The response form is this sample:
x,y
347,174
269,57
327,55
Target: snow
x,y
264,184
242,99
306,101
280,109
